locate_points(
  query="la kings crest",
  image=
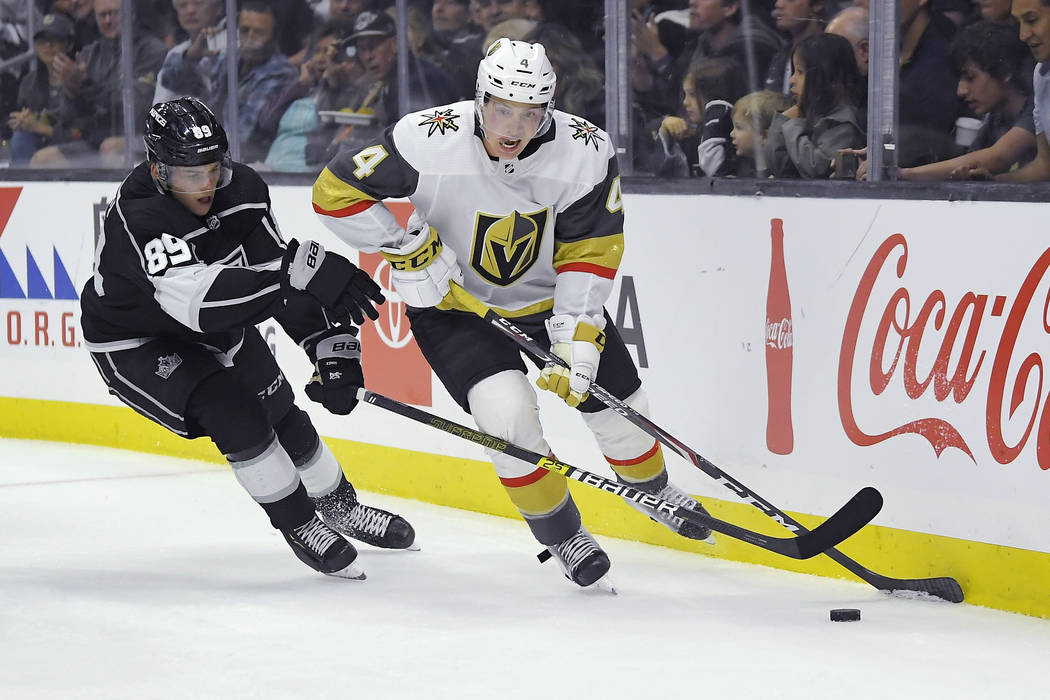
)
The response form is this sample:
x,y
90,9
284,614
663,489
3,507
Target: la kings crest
x,y
505,247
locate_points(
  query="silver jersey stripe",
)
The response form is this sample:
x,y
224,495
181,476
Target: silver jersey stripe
x,y
117,345
137,407
140,391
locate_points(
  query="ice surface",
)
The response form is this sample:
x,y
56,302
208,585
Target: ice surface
x,y
134,576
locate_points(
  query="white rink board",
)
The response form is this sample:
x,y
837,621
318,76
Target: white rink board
x,y
699,270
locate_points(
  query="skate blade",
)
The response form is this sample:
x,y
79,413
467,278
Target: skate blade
x,y
353,571
604,584
414,547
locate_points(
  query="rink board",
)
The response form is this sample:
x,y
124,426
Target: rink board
x,y
916,334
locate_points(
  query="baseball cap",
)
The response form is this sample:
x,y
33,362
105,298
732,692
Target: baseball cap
x,y
56,25
373,24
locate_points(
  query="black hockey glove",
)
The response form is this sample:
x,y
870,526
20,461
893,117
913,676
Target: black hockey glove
x,y
336,355
718,120
337,283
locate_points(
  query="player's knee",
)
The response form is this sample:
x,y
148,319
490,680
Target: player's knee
x,y
230,414
504,405
297,435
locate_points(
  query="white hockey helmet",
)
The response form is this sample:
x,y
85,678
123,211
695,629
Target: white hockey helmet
x,y
516,71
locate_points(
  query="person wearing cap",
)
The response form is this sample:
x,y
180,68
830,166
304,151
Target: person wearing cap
x,y
35,122
375,41
518,204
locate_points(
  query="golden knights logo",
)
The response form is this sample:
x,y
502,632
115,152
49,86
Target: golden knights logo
x,y
506,247
440,121
585,131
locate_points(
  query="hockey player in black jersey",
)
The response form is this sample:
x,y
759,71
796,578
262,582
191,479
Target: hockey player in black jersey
x,y
190,258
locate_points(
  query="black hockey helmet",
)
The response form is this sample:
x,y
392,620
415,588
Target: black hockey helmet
x,y
185,133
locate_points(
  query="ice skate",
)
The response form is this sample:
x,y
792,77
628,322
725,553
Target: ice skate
x,y
582,561
343,512
677,496
324,550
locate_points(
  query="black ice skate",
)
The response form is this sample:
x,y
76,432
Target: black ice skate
x,y
324,550
343,512
677,496
581,559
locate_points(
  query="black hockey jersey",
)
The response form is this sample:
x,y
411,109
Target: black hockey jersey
x,y
160,270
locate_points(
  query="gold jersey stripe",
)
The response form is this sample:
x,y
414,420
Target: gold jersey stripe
x,y
602,251
643,468
333,195
450,303
541,496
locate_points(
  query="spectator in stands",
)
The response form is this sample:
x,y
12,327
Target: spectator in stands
x,y
994,80
720,28
459,41
36,122
348,9
799,19
295,25
375,38
802,141
81,13
514,29
92,94
710,87
581,85
928,104
852,24
328,72
996,11
262,72
752,115
194,16
488,13
1033,16
14,40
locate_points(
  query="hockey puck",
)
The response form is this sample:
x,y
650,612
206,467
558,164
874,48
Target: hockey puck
x,y
845,615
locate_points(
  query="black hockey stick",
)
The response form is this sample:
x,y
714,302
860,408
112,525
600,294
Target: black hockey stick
x,y
851,517
943,587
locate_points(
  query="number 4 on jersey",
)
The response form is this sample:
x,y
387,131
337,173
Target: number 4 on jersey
x,y
165,251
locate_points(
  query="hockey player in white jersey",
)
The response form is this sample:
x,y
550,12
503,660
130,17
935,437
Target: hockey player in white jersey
x,y
520,204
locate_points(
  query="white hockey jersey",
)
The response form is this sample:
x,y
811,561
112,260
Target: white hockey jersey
x,y
542,230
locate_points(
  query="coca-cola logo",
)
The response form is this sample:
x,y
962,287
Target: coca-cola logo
x,y
901,331
778,334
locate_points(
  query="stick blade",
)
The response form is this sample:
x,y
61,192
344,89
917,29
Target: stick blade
x,y
942,587
844,523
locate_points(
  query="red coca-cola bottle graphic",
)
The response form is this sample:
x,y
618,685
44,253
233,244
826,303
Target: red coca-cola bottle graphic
x,y
780,437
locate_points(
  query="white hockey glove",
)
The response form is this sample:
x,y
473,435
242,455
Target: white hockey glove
x,y
579,340
422,268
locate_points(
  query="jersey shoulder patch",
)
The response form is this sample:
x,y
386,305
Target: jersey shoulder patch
x,y
580,131
430,139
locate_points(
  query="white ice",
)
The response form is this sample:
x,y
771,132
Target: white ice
x,y
134,576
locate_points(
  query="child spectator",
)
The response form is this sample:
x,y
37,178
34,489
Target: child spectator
x,y
698,144
752,115
994,79
803,140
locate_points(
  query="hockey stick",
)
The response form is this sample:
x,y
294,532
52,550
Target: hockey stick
x,y
943,587
851,517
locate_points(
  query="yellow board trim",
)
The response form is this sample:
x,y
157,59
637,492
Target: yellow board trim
x,y
995,576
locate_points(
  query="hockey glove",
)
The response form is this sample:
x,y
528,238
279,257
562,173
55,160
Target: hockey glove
x,y
714,136
579,340
337,283
336,354
422,268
